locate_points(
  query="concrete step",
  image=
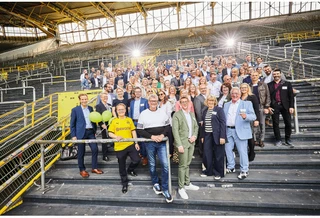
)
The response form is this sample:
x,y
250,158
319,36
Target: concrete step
x,y
57,209
262,161
268,200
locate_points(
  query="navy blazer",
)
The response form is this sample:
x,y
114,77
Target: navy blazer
x,y
78,123
101,108
218,123
143,106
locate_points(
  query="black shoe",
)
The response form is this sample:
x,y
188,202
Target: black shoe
x,y
289,143
132,173
124,189
106,158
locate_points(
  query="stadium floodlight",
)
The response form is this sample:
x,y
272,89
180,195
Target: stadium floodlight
x,y
136,53
230,42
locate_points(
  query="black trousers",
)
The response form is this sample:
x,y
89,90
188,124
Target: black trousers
x,y
104,145
287,122
122,157
213,156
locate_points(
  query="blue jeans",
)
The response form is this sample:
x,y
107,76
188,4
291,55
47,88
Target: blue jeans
x,y
242,147
153,149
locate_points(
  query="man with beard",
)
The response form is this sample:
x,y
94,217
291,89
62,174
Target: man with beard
x,y
281,94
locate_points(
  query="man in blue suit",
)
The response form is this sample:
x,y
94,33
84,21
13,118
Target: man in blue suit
x,y
239,114
138,105
82,128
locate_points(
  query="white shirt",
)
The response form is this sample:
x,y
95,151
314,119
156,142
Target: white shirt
x,y
229,71
151,119
109,69
86,114
169,77
136,111
96,82
189,122
232,113
214,88
268,78
220,104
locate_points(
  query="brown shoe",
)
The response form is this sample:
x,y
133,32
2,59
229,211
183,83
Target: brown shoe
x,y
144,161
97,171
268,123
84,174
261,144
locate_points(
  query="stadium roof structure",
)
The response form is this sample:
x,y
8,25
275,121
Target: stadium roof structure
x,y
50,14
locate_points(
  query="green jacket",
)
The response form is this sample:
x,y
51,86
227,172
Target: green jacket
x,y
180,129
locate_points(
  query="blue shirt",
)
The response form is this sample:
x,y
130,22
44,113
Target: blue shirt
x,y
86,114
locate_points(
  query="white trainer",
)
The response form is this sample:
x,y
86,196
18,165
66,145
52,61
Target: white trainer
x,y
183,194
191,187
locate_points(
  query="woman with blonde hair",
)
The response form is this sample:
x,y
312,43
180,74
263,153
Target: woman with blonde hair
x,y
193,92
213,135
144,87
236,80
187,83
247,95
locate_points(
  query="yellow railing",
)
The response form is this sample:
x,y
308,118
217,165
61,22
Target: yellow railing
x,y
296,36
21,169
19,119
33,66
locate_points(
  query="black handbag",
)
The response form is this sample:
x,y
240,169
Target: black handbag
x,y
69,152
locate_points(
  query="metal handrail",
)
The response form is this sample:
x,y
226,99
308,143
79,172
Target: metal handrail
x,y
42,142
24,91
25,82
65,85
25,111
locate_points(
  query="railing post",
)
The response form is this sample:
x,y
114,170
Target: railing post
x,y
300,61
65,84
24,85
50,108
25,113
42,164
285,52
169,167
34,93
32,114
296,121
1,95
43,90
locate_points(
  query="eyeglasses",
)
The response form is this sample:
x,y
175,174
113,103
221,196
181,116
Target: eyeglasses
x,y
183,102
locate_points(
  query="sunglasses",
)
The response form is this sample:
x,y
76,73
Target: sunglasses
x,y
161,94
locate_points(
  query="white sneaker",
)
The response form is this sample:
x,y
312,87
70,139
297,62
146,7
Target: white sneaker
x,y
217,177
183,194
191,187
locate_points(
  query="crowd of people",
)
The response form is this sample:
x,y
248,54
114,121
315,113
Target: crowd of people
x,y
213,104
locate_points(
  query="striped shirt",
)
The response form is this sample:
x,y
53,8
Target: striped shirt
x,y
208,127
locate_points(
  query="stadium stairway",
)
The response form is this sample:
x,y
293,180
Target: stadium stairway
x,y
282,181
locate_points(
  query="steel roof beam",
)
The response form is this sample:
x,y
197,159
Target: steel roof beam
x,y
141,9
104,10
30,21
65,11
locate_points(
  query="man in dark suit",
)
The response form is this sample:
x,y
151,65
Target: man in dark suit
x,y
120,76
129,72
177,81
95,81
102,107
198,109
82,128
138,105
227,70
282,101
